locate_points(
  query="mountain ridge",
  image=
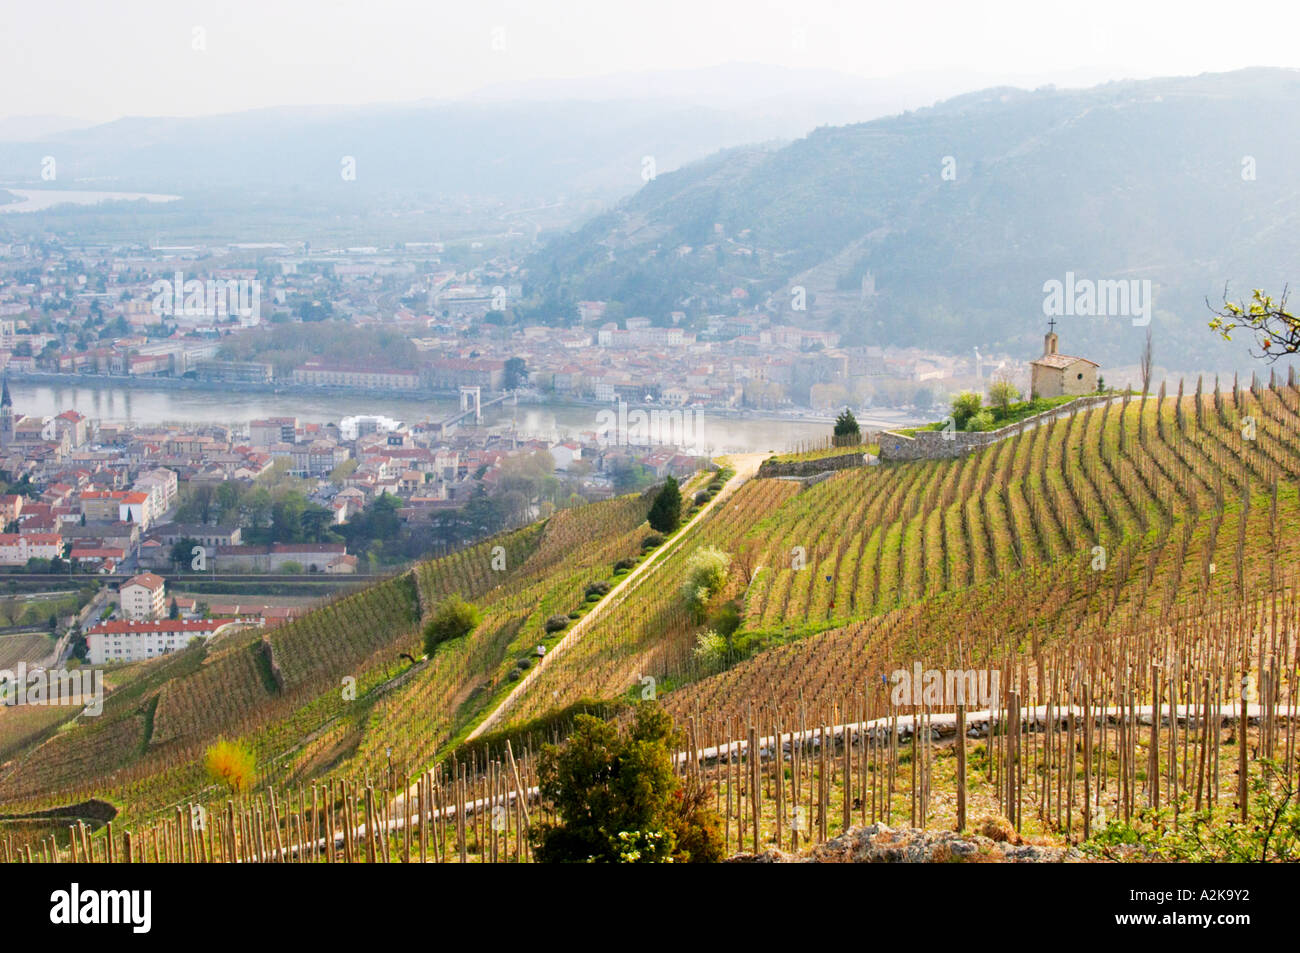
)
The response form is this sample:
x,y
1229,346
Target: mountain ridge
x,y
965,209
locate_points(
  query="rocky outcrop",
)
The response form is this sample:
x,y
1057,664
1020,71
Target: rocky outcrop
x,y
880,844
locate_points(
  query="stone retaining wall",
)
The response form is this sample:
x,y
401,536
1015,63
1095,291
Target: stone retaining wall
x,y
807,468
940,445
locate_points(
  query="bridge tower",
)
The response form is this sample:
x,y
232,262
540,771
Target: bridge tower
x,y
475,393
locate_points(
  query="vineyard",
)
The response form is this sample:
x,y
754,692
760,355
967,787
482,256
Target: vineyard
x,y
1117,516
29,647
1122,569
330,687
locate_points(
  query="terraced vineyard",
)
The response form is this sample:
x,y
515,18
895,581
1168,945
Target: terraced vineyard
x,y
1118,516
328,688
650,632
1095,540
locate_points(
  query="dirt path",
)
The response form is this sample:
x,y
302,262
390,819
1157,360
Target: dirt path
x,y
745,466
978,722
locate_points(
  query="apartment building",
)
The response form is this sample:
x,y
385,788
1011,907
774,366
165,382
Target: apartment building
x,y
74,425
468,372
318,374
143,597
17,548
317,459
263,433
162,486
136,641
235,372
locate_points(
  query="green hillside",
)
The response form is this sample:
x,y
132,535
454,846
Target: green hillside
x,y
1175,181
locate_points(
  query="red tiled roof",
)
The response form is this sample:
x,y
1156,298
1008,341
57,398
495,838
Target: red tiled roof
x,y
168,625
33,539
98,553
147,579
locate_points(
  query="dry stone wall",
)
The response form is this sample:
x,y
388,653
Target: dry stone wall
x,y
941,445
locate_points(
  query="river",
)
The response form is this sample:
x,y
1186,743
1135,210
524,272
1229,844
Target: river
x,y
141,406
38,200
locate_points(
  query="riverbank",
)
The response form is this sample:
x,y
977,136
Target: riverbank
x,y
168,401
93,381
191,384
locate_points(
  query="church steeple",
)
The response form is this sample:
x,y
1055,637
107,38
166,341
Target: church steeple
x,y
6,415
1049,339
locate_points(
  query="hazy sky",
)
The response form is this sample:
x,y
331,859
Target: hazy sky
x,y
99,60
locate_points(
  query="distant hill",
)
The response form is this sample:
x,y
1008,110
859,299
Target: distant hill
x,y
505,150
31,128
1146,180
557,148
563,139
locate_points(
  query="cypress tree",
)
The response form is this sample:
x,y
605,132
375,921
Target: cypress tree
x,y
666,510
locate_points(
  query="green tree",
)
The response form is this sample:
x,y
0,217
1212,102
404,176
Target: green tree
x,y
618,799
452,619
706,571
197,504
182,553
726,620
516,373
80,648
316,521
339,475
256,506
666,510
1002,394
286,518
965,406
228,498
628,476
847,432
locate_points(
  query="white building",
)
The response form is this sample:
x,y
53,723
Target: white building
x,y
161,484
352,428
143,597
135,641
17,548
564,454
136,507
